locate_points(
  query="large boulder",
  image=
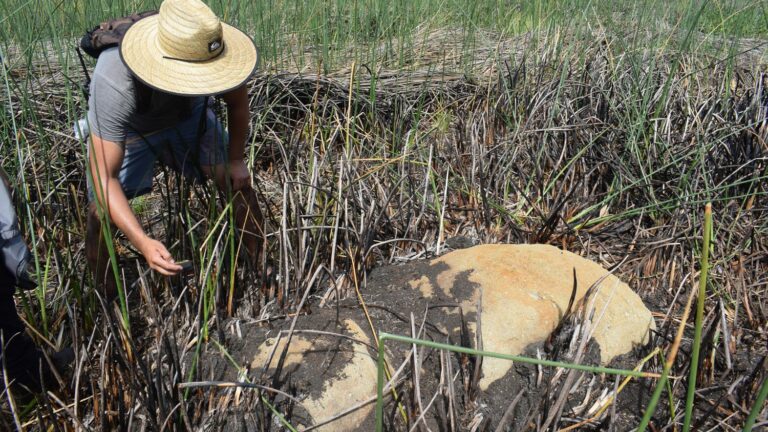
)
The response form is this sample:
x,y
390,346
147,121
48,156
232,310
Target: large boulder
x,y
525,292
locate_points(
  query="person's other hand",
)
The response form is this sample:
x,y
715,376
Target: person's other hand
x,y
239,174
158,257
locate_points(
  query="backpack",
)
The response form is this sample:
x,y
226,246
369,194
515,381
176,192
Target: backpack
x,y
106,35
109,33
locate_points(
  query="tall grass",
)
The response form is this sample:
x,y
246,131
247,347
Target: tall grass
x,y
391,34
598,126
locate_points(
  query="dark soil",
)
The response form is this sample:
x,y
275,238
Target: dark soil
x,y
396,308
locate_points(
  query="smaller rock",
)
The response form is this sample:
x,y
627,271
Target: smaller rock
x,y
341,374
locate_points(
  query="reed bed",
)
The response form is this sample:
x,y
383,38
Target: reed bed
x,y
600,145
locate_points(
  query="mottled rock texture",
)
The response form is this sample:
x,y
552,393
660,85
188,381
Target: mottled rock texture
x,y
526,290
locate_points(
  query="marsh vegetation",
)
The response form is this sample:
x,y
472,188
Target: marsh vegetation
x,y
380,131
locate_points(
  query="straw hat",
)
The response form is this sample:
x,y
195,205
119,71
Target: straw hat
x,y
186,50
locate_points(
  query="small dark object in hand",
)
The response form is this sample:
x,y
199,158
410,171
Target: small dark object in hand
x,y
186,265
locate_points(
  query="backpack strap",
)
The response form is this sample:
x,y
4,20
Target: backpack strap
x,y
86,87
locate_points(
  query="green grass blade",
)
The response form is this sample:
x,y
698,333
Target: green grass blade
x,y
699,318
757,407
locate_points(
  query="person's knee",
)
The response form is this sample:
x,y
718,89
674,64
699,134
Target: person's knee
x,y
92,210
93,233
93,221
246,197
97,214
246,191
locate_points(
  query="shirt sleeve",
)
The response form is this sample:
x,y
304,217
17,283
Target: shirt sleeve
x,y
111,102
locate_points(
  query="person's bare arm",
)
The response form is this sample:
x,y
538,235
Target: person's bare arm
x,y
238,117
106,160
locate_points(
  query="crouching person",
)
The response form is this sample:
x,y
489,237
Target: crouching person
x,y
150,102
26,369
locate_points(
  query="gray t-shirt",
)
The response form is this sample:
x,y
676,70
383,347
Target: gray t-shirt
x,y
113,108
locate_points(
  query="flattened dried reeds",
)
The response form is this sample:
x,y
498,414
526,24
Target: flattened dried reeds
x,y
608,153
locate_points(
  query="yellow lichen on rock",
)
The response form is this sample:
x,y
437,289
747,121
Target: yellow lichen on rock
x,y
352,380
526,289
356,383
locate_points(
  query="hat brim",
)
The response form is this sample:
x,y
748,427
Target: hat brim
x,y
225,72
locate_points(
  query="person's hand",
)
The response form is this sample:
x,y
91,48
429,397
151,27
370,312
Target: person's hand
x,y
239,174
158,257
